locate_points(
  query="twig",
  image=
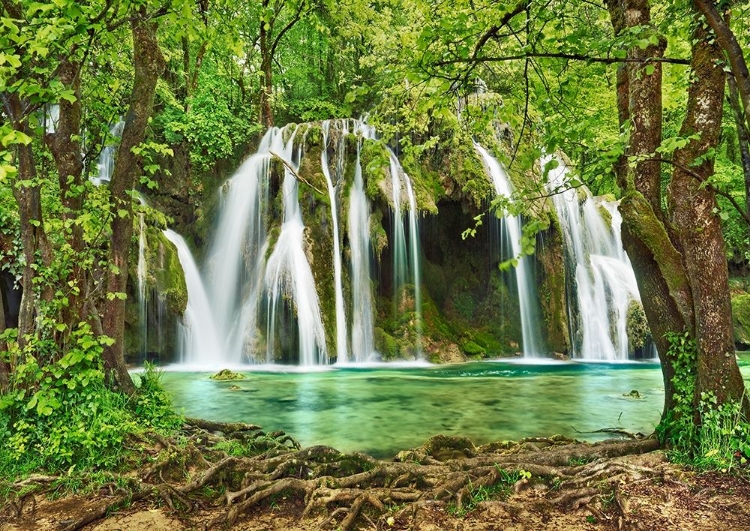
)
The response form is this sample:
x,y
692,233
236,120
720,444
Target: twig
x,y
294,172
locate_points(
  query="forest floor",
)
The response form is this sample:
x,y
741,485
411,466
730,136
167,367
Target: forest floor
x,y
194,482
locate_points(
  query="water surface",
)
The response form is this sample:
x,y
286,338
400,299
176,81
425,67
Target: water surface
x,y
384,409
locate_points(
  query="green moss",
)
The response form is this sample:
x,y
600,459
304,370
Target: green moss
x,y
165,271
472,349
552,289
226,375
637,326
385,344
741,318
375,159
606,215
378,236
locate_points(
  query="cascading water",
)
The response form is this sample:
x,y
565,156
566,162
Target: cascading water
x,y
106,163
141,273
200,343
414,250
235,261
532,343
245,286
288,273
341,331
259,274
405,253
363,345
603,281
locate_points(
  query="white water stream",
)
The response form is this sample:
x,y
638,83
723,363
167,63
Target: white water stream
x,y
532,343
198,337
605,284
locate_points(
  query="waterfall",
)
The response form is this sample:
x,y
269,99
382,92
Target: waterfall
x,y
532,343
399,238
260,287
51,118
363,347
141,273
236,259
602,278
288,273
341,331
414,249
403,259
199,340
106,164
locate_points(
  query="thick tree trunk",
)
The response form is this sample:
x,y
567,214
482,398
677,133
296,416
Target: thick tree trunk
x,y
65,146
33,235
693,211
149,64
662,282
645,104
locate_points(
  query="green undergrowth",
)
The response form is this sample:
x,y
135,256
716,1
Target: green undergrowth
x,y
719,438
61,418
500,490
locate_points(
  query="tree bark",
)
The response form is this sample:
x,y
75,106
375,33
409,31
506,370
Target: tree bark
x,y
266,68
743,136
728,42
648,240
149,64
65,146
693,210
34,240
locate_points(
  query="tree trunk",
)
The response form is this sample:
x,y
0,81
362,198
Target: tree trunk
x,y
149,64
693,210
662,283
33,235
743,135
266,68
65,146
728,42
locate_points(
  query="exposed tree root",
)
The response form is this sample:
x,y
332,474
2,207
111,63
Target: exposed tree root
x,y
351,489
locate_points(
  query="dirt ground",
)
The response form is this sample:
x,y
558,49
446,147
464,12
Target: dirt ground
x,y
669,497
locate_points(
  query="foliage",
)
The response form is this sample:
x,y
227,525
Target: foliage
x,y
720,437
61,415
212,124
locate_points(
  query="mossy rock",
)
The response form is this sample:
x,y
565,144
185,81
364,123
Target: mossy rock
x,y
445,447
637,326
741,318
227,375
375,160
165,271
385,344
472,349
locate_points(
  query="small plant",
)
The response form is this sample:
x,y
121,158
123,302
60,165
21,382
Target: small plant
x,y
720,440
501,490
579,460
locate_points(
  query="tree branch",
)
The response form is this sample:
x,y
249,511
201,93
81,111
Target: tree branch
x,y
725,195
294,172
570,56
